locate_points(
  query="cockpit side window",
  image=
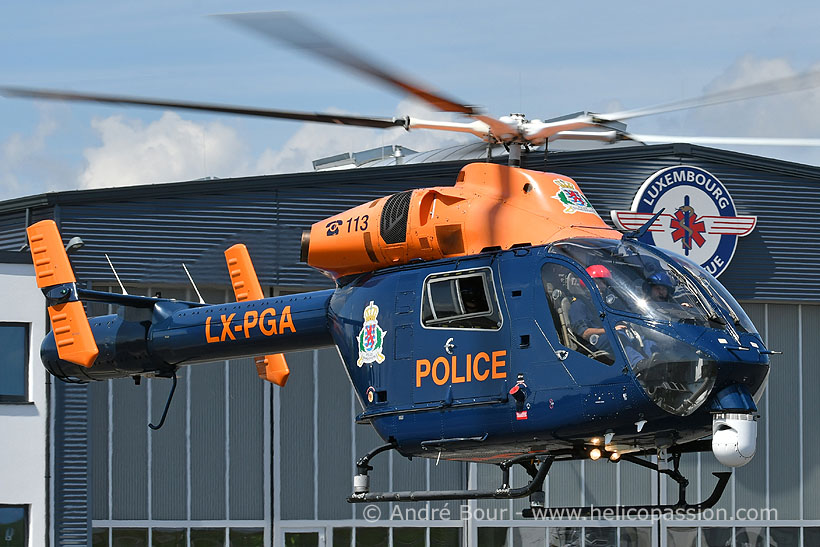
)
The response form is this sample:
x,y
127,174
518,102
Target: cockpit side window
x,y
461,300
574,313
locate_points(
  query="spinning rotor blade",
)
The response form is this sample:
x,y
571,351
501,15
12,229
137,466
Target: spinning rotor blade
x,y
747,141
339,119
293,31
799,82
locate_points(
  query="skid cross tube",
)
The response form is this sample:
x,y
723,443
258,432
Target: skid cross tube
x,y
504,492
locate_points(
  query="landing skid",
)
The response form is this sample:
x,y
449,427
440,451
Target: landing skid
x,y
534,487
537,466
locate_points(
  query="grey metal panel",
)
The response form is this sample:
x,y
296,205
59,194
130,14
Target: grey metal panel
x,y
784,466
447,476
335,450
72,520
98,447
129,467
409,475
296,436
247,441
208,441
13,230
811,384
169,483
565,484
600,484
636,484
750,480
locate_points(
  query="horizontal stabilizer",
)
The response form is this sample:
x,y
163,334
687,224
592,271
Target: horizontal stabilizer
x,y
72,332
245,283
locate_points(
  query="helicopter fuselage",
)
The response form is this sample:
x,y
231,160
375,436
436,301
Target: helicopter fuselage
x,y
474,358
472,390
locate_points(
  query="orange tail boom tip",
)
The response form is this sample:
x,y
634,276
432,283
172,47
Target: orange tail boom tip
x,y
72,332
51,265
273,368
244,281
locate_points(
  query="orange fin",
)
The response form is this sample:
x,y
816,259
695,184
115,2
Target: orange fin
x,y
72,332
245,283
273,368
243,275
51,265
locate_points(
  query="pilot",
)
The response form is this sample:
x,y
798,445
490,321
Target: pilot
x,y
583,316
586,324
659,287
585,320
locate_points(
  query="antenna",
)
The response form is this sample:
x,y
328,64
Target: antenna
x,y
115,274
191,279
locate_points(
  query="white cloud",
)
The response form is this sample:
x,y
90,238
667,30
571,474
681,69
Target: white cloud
x,y
22,162
169,149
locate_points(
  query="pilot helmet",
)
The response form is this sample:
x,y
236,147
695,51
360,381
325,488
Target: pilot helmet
x,y
660,279
597,271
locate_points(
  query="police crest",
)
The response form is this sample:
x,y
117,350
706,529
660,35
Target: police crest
x,y
572,198
371,337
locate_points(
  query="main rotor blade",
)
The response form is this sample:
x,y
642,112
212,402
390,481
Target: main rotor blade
x,y
295,32
744,141
806,80
340,119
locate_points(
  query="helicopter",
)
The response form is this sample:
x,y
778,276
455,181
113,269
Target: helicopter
x,y
499,321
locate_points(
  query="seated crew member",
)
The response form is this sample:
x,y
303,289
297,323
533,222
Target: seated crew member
x,y
585,320
586,324
660,286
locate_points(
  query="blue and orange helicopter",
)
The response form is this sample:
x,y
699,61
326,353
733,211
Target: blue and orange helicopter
x,y
499,320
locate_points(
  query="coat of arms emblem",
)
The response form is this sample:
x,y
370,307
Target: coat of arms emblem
x,y
371,337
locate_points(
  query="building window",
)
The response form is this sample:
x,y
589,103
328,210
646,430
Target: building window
x,y
14,362
13,525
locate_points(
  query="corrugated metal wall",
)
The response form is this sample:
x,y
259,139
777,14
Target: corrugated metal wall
x,y
149,231
72,519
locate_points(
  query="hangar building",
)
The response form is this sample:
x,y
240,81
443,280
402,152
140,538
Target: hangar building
x,y
245,462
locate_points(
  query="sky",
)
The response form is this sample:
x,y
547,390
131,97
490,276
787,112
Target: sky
x,y
543,59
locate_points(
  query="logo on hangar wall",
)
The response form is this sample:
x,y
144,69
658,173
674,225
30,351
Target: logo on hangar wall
x,y
699,219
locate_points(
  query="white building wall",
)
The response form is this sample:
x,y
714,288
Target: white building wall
x,y
23,464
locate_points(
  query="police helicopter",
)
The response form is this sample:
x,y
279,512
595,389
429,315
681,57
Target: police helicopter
x,y
499,320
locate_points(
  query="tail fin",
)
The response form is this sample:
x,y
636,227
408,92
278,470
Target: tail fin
x,y
245,283
72,332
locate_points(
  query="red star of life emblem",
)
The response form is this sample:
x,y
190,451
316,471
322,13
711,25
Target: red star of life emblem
x,y
686,226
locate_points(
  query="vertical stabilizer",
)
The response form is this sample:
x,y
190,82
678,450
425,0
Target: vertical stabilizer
x,y
245,283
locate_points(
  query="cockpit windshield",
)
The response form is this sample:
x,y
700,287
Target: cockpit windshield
x,y
719,293
634,279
